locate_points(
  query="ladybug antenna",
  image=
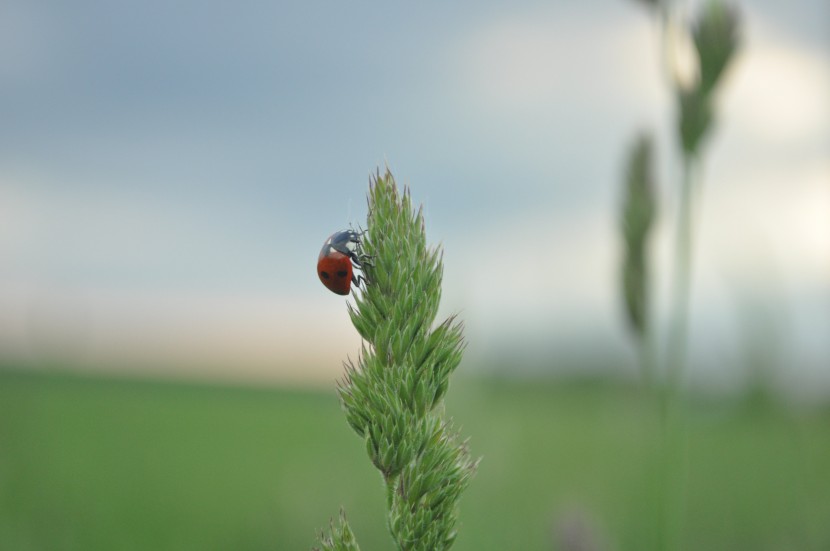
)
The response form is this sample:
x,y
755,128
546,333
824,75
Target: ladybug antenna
x,y
349,210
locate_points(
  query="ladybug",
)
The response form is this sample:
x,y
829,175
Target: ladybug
x,y
338,258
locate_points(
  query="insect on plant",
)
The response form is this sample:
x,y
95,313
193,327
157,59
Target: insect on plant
x,y
392,393
341,254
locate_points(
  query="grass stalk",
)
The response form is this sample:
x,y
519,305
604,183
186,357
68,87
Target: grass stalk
x,y
715,37
392,395
672,421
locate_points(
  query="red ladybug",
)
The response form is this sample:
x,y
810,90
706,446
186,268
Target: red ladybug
x,y
334,265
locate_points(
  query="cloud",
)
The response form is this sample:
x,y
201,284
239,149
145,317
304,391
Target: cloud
x,y
179,220
778,90
754,215
536,272
544,61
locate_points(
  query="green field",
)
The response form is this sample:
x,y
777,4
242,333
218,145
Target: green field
x,y
89,464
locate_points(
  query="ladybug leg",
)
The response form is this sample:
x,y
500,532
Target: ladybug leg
x,y
358,279
344,249
357,259
362,260
352,249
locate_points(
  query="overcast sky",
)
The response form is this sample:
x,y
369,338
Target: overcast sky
x,y
169,171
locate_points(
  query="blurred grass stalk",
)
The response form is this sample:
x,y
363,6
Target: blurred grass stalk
x,y
392,396
714,35
639,210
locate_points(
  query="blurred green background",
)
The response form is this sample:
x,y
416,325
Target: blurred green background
x,y
170,170
101,463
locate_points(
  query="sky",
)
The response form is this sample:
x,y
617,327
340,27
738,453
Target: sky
x,y
169,172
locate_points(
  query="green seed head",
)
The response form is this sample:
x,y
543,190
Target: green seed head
x,y
391,393
639,208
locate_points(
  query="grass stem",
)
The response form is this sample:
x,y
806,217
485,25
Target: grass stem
x,y
673,427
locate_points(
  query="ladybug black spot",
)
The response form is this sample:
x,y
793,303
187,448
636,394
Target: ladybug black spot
x,y
325,274
341,273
